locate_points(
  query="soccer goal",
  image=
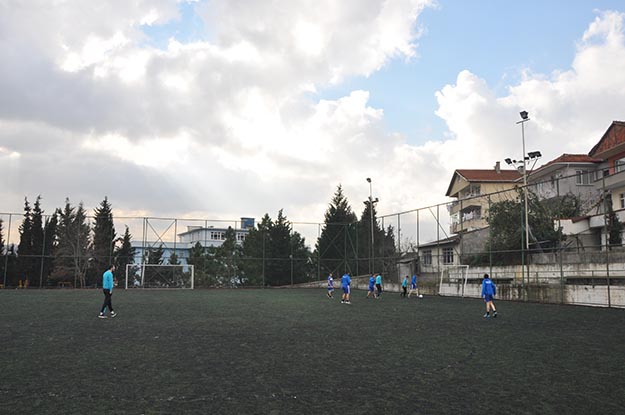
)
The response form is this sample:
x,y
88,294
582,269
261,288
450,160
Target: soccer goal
x,y
159,276
453,280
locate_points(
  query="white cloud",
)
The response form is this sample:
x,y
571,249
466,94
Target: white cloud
x,y
228,127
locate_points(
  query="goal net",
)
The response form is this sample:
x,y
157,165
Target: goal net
x,y
159,276
453,280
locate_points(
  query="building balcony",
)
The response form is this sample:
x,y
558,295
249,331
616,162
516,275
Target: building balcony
x,y
455,206
612,181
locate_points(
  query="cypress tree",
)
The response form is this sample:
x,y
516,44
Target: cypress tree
x,y
25,247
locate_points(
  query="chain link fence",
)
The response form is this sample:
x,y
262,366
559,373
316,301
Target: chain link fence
x,y
558,240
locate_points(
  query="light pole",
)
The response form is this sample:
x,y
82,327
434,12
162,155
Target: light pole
x,y
371,202
532,155
524,119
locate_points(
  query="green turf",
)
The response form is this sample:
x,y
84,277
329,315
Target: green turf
x,y
295,351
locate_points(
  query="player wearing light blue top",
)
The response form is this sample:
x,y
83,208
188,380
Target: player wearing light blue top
x,y
404,287
346,281
330,286
371,287
107,288
378,284
488,293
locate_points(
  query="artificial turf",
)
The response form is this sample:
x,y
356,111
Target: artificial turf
x,y
280,351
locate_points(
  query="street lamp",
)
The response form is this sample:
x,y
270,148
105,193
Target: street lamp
x,y
371,202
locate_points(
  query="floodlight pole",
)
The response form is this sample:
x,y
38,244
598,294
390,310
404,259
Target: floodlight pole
x,y
372,250
524,119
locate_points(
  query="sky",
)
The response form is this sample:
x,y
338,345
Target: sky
x,y
227,108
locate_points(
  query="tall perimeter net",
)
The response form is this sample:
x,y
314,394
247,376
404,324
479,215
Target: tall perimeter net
x,y
453,280
159,276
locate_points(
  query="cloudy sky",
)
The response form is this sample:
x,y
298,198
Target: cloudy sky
x,y
230,108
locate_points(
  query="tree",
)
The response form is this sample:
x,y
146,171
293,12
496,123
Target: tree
x,y
226,264
37,242
506,220
49,244
25,247
72,250
364,240
125,253
199,259
336,245
272,251
614,228
255,249
103,238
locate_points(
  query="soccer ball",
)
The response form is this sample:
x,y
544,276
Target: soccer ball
x,y
420,295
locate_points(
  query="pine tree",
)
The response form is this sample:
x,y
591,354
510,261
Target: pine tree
x,y
125,253
103,237
336,245
255,250
37,242
364,240
226,261
198,258
72,250
25,246
83,246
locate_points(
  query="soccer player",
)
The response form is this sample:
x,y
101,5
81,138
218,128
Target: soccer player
x,y
107,288
330,286
413,286
371,287
404,287
378,284
346,281
488,292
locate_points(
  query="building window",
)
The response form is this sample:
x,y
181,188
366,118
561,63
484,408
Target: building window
x,y
448,255
427,257
240,237
218,236
582,178
622,197
619,165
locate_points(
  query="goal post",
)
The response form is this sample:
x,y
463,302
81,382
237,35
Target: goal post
x,y
160,276
457,275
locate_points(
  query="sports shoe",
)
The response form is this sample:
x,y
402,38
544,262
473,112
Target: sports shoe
x,y
342,302
113,314
347,302
101,316
486,315
495,314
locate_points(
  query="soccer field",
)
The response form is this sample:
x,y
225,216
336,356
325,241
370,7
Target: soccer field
x,y
280,351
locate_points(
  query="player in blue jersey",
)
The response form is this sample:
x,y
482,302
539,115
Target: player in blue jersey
x,y
371,290
346,282
330,286
413,286
378,284
488,293
404,287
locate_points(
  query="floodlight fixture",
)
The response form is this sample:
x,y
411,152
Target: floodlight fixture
x,y
524,115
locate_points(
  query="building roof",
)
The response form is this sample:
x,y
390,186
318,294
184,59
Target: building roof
x,y
483,176
447,241
566,159
612,138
